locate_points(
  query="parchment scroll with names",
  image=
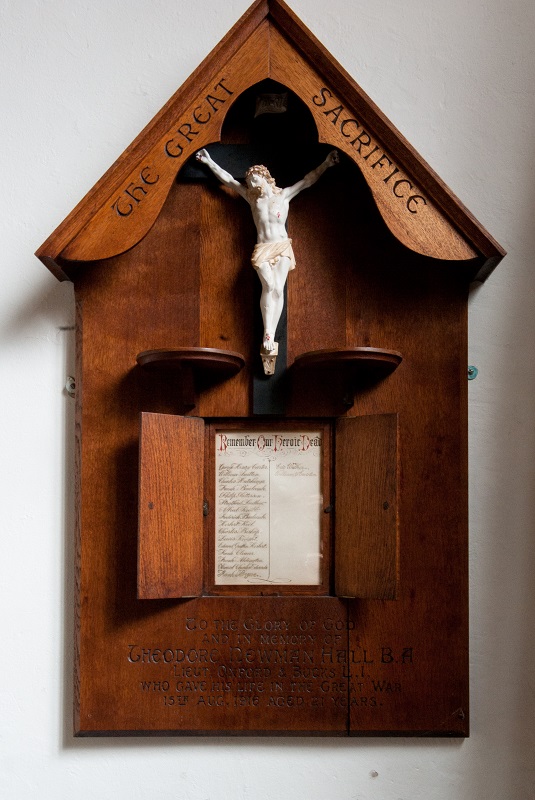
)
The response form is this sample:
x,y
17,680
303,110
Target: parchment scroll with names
x,y
268,507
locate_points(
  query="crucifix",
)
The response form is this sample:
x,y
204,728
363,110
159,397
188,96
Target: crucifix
x,y
273,255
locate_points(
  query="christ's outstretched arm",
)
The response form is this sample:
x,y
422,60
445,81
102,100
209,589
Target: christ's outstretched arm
x,y
311,177
225,177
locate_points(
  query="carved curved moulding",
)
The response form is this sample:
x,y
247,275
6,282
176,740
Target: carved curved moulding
x,y
357,367
364,359
221,363
193,364
271,42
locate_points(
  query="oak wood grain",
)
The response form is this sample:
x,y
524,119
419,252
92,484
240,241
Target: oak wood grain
x,y
170,553
366,543
389,298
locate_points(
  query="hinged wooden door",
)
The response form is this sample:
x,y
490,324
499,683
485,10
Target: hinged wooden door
x,y
366,537
170,554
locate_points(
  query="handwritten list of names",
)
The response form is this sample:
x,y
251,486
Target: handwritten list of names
x,y
268,506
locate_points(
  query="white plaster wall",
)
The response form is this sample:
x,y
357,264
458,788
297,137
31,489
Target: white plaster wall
x,y
79,80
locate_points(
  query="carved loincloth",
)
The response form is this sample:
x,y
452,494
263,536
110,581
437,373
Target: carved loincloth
x,y
272,252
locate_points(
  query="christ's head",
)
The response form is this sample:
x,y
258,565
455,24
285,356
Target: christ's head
x,y
258,177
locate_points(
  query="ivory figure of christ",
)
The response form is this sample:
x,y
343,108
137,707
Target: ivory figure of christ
x,y
273,255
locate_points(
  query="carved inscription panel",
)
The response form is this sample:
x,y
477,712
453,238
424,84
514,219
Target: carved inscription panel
x,y
258,665
253,666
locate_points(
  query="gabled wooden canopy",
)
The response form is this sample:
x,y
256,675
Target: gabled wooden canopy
x,y
269,41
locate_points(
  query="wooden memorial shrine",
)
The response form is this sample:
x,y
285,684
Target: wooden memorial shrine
x,y
271,540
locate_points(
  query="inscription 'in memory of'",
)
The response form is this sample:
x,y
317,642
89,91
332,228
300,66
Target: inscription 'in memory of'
x,y
268,506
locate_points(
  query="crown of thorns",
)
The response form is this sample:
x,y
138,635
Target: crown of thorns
x,y
260,169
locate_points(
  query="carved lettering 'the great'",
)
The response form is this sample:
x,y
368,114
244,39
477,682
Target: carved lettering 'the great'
x,y
186,131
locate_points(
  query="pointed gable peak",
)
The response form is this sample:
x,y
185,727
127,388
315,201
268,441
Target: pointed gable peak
x,y
269,41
